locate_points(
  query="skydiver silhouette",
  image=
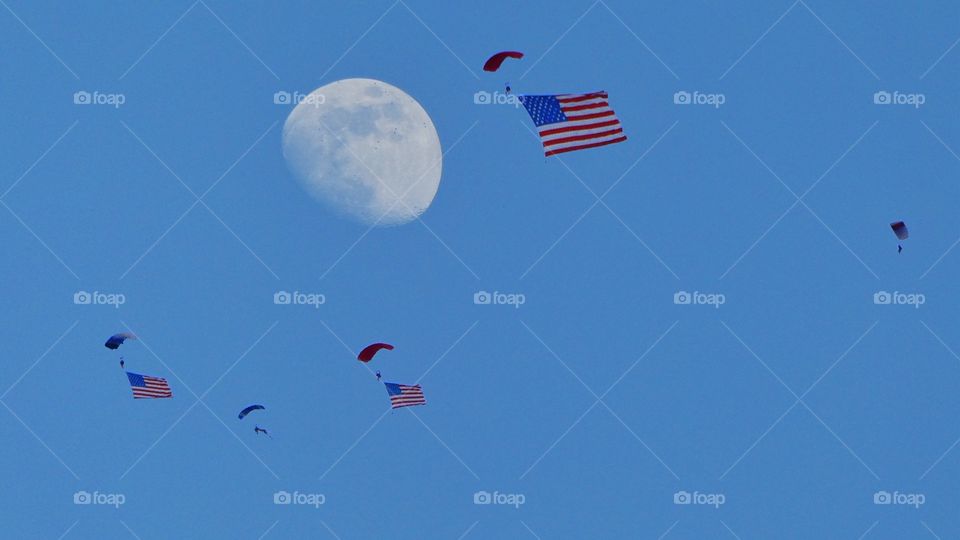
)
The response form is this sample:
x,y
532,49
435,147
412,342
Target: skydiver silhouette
x,y
508,89
121,362
378,375
899,248
258,430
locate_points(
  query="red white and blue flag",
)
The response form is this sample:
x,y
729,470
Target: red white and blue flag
x,y
146,387
402,395
569,122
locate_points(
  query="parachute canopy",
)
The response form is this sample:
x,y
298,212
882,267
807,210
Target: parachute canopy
x,y
900,229
248,410
493,63
367,354
117,339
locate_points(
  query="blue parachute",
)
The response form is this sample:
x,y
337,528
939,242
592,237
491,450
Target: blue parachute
x,y
248,410
117,339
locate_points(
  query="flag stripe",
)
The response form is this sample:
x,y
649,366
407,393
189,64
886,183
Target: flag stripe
x,y
583,146
584,137
548,132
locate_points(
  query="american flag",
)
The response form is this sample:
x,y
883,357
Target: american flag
x,y
402,395
571,122
145,386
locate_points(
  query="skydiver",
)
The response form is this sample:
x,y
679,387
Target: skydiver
x,y
378,375
899,248
258,430
508,89
121,362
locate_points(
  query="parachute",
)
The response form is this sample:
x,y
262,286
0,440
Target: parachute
x,y
248,410
117,339
367,354
900,229
493,63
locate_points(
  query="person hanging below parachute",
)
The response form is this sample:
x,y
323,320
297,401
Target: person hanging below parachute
x,y
258,430
378,375
121,362
116,340
900,229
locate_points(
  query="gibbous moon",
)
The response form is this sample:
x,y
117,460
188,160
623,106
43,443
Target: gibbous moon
x,y
366,150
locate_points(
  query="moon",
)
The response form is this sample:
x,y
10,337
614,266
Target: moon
x,y
366,150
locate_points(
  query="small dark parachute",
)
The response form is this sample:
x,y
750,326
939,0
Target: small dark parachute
x,y
493,63
367,353
117,339
900,229
248,410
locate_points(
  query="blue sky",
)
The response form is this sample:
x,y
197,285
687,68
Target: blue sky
x,y
600,399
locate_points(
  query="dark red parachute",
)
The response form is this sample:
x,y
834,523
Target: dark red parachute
x,y
367,354
493,63
900,229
